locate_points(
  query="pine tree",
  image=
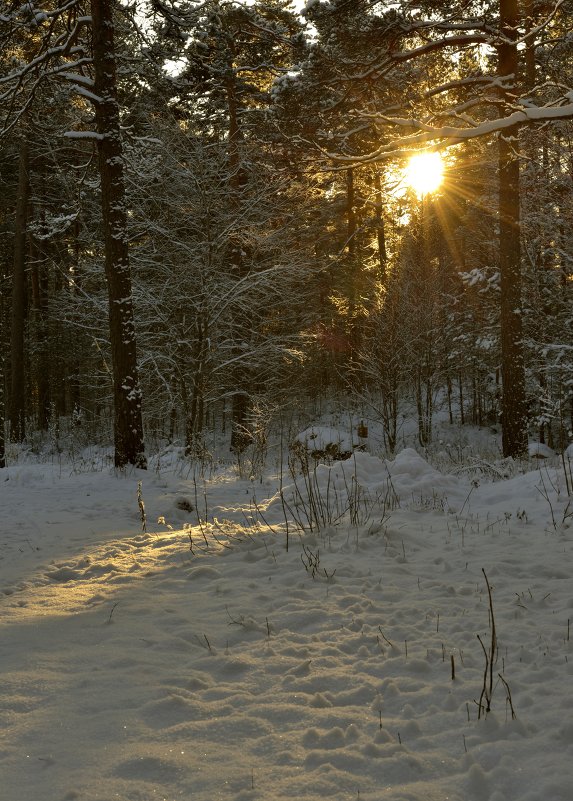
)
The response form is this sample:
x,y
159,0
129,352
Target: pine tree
x,y
55,47
128,427
400,90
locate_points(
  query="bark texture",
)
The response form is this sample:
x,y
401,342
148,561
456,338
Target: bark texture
x,y
513,406
128,425
17,369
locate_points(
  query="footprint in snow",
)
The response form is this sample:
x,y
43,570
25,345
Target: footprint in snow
x,y
63,574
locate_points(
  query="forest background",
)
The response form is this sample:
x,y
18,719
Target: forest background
x,y
202,205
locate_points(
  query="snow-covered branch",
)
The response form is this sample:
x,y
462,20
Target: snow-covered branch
x,y
446,136
83,135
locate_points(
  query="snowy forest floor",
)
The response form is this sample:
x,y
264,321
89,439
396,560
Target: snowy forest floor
x,y
209,662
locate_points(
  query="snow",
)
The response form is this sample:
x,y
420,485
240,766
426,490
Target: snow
x,y
76,77
201,659
538,450
427,133
83,135
91,96
321,438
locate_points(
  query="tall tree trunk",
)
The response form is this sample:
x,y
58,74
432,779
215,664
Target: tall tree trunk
x,y
241,398
128,424
2,385
18,378
380,230
352,270
350,213
513,405
41,376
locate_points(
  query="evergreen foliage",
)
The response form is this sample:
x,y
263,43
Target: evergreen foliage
x,y
228,219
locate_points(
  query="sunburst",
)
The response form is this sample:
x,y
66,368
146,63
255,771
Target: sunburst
x,y
424,173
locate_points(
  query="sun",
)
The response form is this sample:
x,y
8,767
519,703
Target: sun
x,y
424,173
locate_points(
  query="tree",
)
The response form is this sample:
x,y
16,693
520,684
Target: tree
x,y
456,101
51,45
2,383
198,318
128,428
230,56
18,382
514,404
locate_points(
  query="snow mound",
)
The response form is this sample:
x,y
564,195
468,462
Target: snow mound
x,y
538,450
325,441
367,479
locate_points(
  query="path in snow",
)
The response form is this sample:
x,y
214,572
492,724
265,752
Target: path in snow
x,y
135,669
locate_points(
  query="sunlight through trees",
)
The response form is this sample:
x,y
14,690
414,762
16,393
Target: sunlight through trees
x,y
424,173
183,247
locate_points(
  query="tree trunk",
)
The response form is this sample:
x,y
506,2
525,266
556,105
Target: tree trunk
x,y
18,378
350,213
41,375
2,390
380,230
128,424
242,380
513,406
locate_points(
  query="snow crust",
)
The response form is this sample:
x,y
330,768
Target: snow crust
x,y
140,665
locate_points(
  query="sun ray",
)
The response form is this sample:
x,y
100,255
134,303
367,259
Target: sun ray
x,y
424,173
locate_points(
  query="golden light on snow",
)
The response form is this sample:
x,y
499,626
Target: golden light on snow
x,y
424,173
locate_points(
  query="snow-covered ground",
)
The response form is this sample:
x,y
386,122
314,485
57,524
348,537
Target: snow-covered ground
x,y
209,662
